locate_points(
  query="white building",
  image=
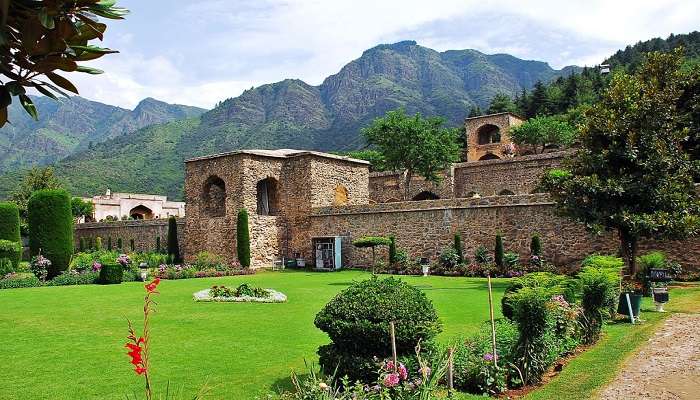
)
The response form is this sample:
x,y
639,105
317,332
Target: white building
x,y
134,206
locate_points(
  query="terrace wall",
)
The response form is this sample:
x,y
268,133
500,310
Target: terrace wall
x,y
143,233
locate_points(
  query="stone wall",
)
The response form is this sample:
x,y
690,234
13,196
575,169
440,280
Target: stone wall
x,y
142,232
424,228
519,175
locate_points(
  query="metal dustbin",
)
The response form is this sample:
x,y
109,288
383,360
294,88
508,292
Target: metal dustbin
x,y
290,263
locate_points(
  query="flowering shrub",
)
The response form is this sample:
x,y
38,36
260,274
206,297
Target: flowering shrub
x,y
124,260
40,266
243,290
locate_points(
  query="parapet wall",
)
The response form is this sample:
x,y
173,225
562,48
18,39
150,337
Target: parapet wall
x,y
424,228
142,232
518,175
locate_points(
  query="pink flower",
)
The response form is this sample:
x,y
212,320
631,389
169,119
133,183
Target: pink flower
x,y
389,366
391,380
403,373
488,357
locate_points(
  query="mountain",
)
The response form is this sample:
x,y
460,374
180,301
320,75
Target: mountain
x,y
632,56
70,125
294,114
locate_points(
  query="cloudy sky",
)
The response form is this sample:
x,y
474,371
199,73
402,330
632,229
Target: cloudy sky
x,y
203,51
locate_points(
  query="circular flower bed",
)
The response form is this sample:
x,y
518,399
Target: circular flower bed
x,y
243,293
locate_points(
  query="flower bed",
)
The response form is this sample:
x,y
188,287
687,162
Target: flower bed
x,y
244,293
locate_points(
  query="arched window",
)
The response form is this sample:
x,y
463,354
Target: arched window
x,y
214,197
141,212
506,192
425,195
340,196
267,196
488,134
489,156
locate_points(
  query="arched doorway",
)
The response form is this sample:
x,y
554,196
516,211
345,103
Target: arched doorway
x,y
489,156
425,195
340,196
214,197
267,196
141,212
488,134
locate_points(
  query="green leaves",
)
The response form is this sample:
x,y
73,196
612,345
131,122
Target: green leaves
x,y
89,70
28,106
62,82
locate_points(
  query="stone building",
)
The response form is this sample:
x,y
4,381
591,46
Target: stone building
x,y
487,135
279,188
119,206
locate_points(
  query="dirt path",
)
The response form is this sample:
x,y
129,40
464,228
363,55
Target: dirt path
x,y
667,367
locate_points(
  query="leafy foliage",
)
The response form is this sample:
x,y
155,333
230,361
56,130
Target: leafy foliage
x,y
600,293
540,132
498,251
51,228
372,241
111,274
415,144
39,38
35,179
458,247
357,322
536,245
631,174
10,251
81,208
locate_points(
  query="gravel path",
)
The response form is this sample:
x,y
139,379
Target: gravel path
x,y
667,367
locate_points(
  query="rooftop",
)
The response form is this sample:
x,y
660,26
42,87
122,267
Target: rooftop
x,y
280,153
495,115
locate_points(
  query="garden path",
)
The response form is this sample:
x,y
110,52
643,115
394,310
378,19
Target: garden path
x,y
667,367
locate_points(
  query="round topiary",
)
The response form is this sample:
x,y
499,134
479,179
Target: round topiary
x,y
111,274
51,228
357,321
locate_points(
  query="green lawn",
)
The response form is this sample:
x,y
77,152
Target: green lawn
x,y
67,342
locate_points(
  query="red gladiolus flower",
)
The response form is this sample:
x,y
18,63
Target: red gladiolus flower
x,y
151,287
136,354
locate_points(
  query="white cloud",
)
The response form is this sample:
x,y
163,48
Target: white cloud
x,y
202,52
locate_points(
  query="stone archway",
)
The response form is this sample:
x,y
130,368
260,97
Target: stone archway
x,y
214,197
489,156
141,212
488,134
267,196
506,192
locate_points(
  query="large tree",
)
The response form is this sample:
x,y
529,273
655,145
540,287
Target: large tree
x,y
631,174
539,132
414,144
40,37
501,103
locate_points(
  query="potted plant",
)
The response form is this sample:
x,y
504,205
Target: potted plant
x,y
634,290
660,294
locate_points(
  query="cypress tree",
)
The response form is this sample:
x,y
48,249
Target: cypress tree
x,y
157,244
98,243
81,244
498,251
119,243
536,245
109,243
243,238
392,250
173,245
51,228
10,230
132,245
458,247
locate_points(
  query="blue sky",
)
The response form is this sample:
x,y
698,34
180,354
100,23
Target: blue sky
x,y
201,52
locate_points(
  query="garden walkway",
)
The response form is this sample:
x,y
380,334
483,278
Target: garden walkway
x,y
667,367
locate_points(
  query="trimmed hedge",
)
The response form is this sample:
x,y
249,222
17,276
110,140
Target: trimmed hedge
x,y
20,281
458,247
357,321
9,222
173,245
11,251
111,274
371,241
243,238
498,251
392,250
51,228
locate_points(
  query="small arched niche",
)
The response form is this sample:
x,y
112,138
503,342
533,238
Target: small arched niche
x,y
425,195
340,196
488,134
506,192
214,197
267,196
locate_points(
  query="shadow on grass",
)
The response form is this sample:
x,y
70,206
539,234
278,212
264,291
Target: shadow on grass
x,y
282,385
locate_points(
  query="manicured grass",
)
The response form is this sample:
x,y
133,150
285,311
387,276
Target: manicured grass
x,y
68,342
592,370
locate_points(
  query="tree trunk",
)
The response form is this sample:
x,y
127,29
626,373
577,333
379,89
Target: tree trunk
x,y
407,184
628,250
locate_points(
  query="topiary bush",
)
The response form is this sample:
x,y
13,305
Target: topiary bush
x,y
392,250
498,251
11,252
556,284
111,274
357,322
598,261
17,281
536,245
51,228
120,244
243,238
173,244
98,243
458,247
9,222
600,292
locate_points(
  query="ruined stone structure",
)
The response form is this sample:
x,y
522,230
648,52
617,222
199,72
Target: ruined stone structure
x,y
278,188
487,135
144,233
118,206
